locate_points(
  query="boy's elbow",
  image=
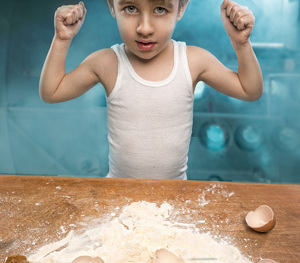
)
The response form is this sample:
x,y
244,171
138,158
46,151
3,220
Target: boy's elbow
x,y
255,96
46,98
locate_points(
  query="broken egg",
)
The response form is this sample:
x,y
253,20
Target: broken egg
x,y
165,256
262,219
267,261
87,259
16,259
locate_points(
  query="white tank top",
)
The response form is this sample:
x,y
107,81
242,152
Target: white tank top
x,y
150,122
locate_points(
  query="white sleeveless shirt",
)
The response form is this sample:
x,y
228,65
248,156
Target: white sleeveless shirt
x,y
150,122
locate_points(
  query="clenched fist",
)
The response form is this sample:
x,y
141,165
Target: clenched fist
x,y
238,21
68,20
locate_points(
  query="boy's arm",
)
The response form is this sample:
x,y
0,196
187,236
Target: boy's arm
x,y
55,84
247,83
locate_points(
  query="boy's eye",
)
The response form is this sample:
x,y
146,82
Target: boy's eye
x,y
130,9
160,10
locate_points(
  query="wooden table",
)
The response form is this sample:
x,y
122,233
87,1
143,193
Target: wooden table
x,y
36,210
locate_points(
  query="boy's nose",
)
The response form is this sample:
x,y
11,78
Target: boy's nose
x,y
145,26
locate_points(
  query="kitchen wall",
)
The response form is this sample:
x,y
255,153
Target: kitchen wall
x,y
232,140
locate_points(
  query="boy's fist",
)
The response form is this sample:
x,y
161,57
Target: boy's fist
x,y
238,21
68,20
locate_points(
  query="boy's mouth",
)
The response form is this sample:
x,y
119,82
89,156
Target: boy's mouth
x,y
146,45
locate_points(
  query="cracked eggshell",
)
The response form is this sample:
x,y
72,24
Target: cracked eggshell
x,y
17,258
262,219
87,259
267,261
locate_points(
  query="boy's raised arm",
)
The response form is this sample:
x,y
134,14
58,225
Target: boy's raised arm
x,y
238,22
55,84
247,82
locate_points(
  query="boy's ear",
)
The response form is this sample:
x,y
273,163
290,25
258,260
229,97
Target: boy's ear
x,y
181,11
111,8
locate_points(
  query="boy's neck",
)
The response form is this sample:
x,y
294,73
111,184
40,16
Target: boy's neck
x,y
156,68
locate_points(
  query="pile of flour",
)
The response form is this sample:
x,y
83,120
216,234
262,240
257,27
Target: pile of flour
x,y
135,234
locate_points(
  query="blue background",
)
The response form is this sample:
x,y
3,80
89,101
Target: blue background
x,y
232,140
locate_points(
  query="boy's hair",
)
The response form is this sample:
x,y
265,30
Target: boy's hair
x,y
181,2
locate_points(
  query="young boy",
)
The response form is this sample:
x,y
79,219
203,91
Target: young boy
x,y
149,80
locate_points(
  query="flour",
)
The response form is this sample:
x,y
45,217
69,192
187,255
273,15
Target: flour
x,y
135,234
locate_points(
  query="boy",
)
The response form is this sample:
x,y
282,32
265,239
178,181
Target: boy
x,y
149,80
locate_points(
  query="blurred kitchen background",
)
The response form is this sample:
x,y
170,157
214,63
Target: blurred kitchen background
x,y
232,140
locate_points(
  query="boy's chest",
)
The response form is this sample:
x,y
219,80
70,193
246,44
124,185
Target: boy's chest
x,y
151,107
155,70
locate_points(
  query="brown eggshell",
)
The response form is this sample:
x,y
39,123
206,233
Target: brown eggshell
x,y
165,256
267,261
262,219
87,259
16,259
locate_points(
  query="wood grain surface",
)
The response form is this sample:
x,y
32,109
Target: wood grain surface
x,y
37,210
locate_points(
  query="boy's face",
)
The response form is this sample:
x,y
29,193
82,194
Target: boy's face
x,y
146,26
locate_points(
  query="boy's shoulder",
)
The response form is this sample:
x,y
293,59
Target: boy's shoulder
x,y
194,51
103,60
197,56
104,64
103,56
200,61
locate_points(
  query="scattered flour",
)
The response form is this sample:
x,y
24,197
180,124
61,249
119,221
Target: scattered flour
x,y
133,237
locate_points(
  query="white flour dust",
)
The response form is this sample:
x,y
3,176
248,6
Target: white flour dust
x,y
135,235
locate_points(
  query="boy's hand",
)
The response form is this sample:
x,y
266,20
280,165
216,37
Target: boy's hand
x,y
68,20
238,21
